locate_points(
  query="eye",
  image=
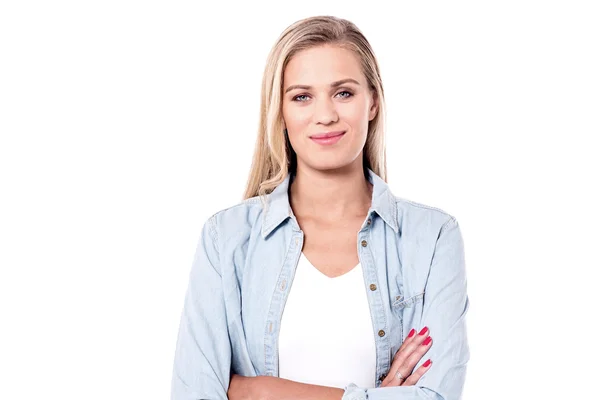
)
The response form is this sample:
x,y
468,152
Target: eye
x,y
349,94
297,98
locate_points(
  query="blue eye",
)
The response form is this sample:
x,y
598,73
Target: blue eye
x,y
300,95
300,98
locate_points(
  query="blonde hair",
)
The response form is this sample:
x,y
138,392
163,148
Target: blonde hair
x,y
273,155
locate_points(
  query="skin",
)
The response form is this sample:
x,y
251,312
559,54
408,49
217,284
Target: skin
x,y
330,196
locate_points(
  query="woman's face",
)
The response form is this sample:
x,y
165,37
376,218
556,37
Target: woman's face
x,y
325,93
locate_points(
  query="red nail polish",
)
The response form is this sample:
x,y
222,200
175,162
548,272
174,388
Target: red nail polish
x,y
423,331
411,333
427,363
427,341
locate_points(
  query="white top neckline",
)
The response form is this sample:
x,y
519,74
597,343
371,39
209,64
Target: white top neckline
x,y
354,270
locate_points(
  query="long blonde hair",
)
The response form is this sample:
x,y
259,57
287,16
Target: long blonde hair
x,y
273,155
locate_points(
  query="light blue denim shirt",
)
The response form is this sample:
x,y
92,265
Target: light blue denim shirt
x,y
414,276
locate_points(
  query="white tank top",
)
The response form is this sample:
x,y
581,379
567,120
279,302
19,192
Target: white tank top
x,y
326,336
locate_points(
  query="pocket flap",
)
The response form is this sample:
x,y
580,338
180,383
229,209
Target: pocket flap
x,y
400,303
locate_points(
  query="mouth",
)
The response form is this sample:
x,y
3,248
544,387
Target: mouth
x,y
327,138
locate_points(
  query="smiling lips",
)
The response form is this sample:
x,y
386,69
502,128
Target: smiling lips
x,y
328,138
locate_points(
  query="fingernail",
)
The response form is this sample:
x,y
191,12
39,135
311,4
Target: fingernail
x,y
427,341
423,331
427,363
411,333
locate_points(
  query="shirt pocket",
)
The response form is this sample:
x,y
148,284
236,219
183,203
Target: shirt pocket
x,y
408,310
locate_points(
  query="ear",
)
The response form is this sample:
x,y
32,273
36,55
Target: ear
x,y
374,106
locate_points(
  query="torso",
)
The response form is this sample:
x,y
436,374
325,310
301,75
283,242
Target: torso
x,y
257,250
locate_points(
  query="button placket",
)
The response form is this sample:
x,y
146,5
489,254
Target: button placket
x,y
372,287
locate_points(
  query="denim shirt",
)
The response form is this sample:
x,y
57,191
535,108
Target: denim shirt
x,y
414,276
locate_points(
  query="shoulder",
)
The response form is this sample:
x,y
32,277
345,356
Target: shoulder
x,y
419,216
240,219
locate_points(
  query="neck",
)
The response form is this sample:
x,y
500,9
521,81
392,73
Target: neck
x,y
331,195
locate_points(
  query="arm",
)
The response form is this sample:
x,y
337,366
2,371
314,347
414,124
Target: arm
x,y
445,306
203,352
273,388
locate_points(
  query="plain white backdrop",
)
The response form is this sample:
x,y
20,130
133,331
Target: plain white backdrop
x,y
125,124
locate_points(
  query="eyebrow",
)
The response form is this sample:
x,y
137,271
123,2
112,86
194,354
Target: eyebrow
x,y
334,84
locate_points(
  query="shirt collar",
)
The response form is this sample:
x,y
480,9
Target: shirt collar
x,y
278,208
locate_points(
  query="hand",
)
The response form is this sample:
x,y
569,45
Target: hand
x,y
407,356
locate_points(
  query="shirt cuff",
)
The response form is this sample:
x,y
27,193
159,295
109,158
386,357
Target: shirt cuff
x,y
353,392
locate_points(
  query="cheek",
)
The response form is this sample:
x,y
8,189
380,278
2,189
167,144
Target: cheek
x,y
295,115
354,114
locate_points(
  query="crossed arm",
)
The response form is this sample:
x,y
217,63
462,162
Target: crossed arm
x,y
401,373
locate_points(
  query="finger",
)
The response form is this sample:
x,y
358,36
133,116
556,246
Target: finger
x,y
406,342
414,358
407,358
410,345
415,376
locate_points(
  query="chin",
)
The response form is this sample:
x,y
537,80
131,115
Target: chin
x,y
329,164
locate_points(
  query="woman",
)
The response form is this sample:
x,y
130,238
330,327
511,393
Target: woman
x,y
322,284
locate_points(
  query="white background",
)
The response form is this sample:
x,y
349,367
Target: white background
x,y
125,125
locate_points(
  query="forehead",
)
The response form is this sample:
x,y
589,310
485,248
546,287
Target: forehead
x,y
319,66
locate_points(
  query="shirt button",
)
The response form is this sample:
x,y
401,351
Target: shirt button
x,y
369,221
364,243
373,286
381,333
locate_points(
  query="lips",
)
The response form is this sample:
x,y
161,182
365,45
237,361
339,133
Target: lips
x,y
328,138
326,135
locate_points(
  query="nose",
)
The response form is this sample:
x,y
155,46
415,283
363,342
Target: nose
x,y
325,111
